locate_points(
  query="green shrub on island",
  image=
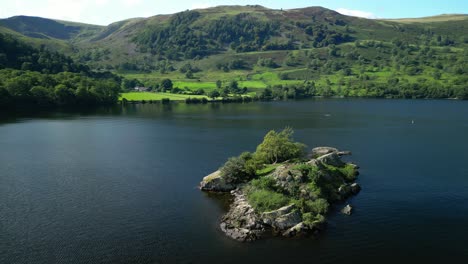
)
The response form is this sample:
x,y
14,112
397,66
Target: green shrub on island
x,y
276,147
309,194
349,171
265,183
266,169
240,169
312,220
264,200
311,191
317,206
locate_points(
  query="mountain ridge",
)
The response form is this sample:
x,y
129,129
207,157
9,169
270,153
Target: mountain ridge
x,y
14,22
442,15
261,48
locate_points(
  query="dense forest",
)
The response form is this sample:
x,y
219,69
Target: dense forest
x,y
180,39
185,36
39,77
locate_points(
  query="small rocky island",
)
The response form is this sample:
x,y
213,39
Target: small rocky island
x,y
280,189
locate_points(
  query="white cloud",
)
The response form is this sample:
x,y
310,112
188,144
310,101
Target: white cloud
x,y
356,13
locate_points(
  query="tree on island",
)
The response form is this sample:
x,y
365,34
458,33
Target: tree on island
x,y
276,147
279,147
240,169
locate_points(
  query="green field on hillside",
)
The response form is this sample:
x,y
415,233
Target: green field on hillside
x,y
139,96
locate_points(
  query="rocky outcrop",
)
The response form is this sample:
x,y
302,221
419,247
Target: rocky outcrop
x,y
287,178
297,230
215,183
332,159
347,190
347,210
320,151
355,188
241,222
269,217
282,218
356,167
288,220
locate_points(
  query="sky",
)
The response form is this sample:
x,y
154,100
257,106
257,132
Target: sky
x,y
104,12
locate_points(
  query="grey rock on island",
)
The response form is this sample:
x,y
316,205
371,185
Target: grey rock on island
x,y
215,183
287,197
347,210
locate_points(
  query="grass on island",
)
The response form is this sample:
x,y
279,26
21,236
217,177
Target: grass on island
x,y
267,169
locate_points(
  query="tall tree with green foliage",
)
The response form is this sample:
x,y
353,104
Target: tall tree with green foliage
x,y
233,87
279,147
213,94
219,83
166,84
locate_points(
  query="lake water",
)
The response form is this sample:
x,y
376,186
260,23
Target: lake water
x,y
119,185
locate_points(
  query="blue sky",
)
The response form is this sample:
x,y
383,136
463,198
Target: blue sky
x,y
103,12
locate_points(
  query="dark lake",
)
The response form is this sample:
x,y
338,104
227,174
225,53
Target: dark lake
x,y
119,185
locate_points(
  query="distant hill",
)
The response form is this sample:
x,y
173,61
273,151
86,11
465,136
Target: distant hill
x,y
262,47
43,28
203,32
431,19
